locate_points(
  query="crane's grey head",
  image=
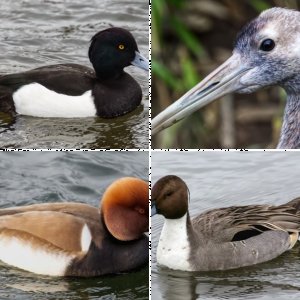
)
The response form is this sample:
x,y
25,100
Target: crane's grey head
x,y
266,53
270,47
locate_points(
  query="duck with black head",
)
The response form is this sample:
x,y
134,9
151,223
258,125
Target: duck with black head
x,y
222,238
72,90
74,239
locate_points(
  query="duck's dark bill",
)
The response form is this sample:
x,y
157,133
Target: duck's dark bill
x,y
225,79
140,61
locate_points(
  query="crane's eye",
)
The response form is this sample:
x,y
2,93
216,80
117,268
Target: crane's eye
x,y
267,45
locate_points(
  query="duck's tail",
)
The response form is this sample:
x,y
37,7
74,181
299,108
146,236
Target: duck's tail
x,y
294,203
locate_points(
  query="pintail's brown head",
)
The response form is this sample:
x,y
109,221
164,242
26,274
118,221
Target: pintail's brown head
x,y
169,197
125,208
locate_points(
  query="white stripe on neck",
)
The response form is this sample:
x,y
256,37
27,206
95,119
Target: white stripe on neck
x,y
86,238
173,247
36,100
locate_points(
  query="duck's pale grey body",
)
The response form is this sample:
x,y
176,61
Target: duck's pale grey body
x,y
224,238
212,236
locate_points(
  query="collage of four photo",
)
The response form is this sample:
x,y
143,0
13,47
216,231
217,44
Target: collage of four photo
x,y
150,149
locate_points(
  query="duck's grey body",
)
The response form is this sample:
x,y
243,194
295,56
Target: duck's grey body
x,y
221,237
224,238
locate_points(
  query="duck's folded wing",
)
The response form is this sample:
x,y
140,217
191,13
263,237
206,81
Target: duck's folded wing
x,y
54,78
62,230
243,222
31,253
81,210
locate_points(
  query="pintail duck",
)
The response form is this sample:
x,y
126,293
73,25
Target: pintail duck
x,y
74,239
220,239
72,90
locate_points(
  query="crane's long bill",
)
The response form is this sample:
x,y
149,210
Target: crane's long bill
x,y
225,79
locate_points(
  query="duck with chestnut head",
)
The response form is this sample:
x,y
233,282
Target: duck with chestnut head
x,y
76,239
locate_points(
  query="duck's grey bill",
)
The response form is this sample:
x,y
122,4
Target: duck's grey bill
x,y
140,61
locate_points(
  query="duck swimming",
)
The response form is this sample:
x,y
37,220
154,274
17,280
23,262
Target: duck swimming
x,y
72,90
222,238
74,239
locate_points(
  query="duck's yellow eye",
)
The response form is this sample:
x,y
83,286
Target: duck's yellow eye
x,y
121,47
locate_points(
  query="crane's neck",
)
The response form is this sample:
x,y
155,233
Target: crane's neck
x,y
290,132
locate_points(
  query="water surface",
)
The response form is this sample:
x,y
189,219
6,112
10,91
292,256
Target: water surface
x,y
220,179
36,177
35,33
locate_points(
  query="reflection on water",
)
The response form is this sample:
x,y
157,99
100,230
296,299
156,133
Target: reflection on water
x,y
220,179
36,177
36,33
31,132
29,286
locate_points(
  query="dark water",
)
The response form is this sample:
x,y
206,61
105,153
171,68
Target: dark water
x,y
219,179
43,32
35,177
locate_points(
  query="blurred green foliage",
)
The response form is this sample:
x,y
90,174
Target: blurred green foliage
x,y
161,13
186,36
162,71
259,5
